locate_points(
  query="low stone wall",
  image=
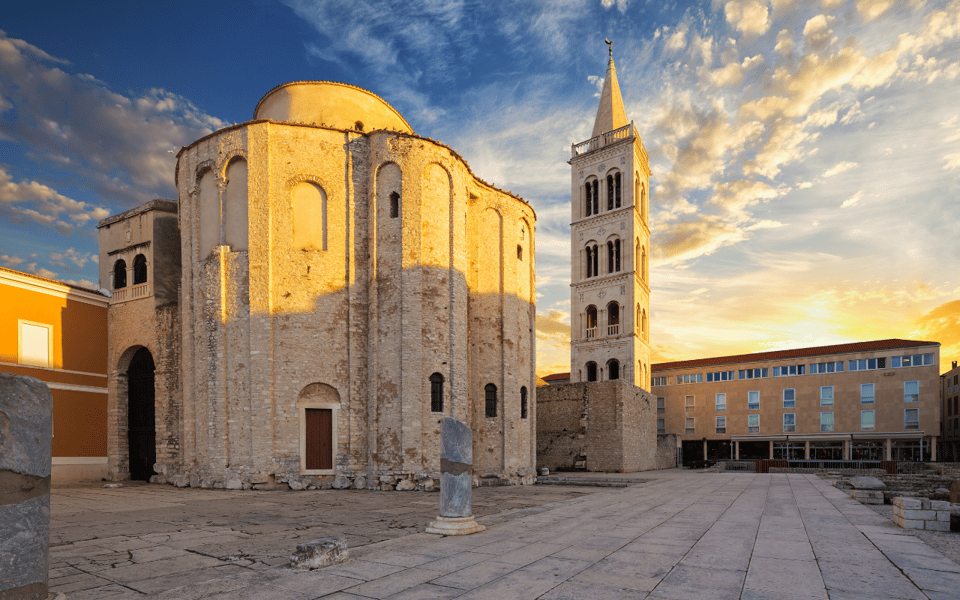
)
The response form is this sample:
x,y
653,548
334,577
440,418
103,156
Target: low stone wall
x,y
832,473
868,496
922,513
667,444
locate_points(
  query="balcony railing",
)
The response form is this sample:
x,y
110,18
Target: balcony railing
x,y
591,333
603,139
141,290
613,329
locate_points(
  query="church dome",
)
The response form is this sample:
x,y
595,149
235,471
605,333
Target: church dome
x,y
333,104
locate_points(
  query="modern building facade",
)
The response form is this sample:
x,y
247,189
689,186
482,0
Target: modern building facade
x,y
875,400
57,333
610,245
344,283
950,411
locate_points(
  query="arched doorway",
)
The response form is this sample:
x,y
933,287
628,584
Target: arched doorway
x,y
141,426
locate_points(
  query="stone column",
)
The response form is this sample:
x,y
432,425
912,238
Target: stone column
x,y
806,450
771,449
26,427
736,450
888,451
456,481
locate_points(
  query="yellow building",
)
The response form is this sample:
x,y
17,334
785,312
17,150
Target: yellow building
x,y
57,333
876,400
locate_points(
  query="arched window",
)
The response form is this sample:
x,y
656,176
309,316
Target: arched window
x,y
643,264
593,197
613,191
591,321
643,324
523,402
593,261
613,369
613,319
591,371
394,205
519,252
436,393
119,275
613,256
490,395
139,269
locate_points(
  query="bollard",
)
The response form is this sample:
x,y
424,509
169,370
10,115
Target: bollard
x,y
456,481
26,427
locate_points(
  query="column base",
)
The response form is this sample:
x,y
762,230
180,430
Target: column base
x,y
455,526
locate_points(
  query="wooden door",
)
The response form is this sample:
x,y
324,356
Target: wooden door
x,y
319,438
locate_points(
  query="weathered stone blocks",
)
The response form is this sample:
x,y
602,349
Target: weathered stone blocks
x,y
26,427
922,513
456,481
319,553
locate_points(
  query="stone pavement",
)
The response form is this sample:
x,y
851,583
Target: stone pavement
x,y
680,535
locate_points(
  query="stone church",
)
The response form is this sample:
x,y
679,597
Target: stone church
x,y
327,286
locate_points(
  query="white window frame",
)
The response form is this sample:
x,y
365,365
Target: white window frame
x,y
832,424
689,404
792,426
905,421
334,416
873,413
873,397
753,428
825,401
721,405
793,402
757,407
661,426
722,424
916,396
20,359
690,426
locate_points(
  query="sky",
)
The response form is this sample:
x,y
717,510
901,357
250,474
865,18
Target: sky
x,y
805,154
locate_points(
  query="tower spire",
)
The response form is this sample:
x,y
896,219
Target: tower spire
x,y
610,114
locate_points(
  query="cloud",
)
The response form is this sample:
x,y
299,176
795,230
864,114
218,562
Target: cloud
x,y
748,16
942,324
852,200
10,262
871,9
33,201
122,145
75,259
952,162
839,168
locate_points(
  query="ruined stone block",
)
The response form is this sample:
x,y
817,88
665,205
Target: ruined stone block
x,y
319,553
937,526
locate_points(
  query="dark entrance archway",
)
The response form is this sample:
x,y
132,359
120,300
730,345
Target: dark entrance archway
x,y
141,427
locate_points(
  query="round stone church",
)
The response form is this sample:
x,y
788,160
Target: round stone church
x,y
327,287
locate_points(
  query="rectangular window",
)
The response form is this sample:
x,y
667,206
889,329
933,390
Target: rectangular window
x,y
661,406
34,344
826,421
911,391
911,418
721,402
789,422
789,398
690,427
867,420
927,359
721,424
895,362
800,370
826,395
688,403
661,426
659,381
792,369
881,363
866,393
753,423
753,400
776,371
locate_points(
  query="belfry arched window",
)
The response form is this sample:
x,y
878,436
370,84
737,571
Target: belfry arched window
x,y
119,274
613,319
613,191
592,200
490,400
591,371
523,402
139,269
591,321
436,393
613,369
643,324
613,256
593,260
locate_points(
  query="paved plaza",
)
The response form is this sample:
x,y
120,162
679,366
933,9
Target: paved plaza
x,y
678,535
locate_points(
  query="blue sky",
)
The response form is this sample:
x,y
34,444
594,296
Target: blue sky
x,y
805,155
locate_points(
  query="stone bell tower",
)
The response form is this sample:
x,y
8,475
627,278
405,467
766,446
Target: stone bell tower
x,y
610,248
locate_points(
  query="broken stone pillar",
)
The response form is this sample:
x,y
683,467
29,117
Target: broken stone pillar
x,y
26,427
456,481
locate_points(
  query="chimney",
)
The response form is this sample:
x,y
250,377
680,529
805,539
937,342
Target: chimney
x,y
954,365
